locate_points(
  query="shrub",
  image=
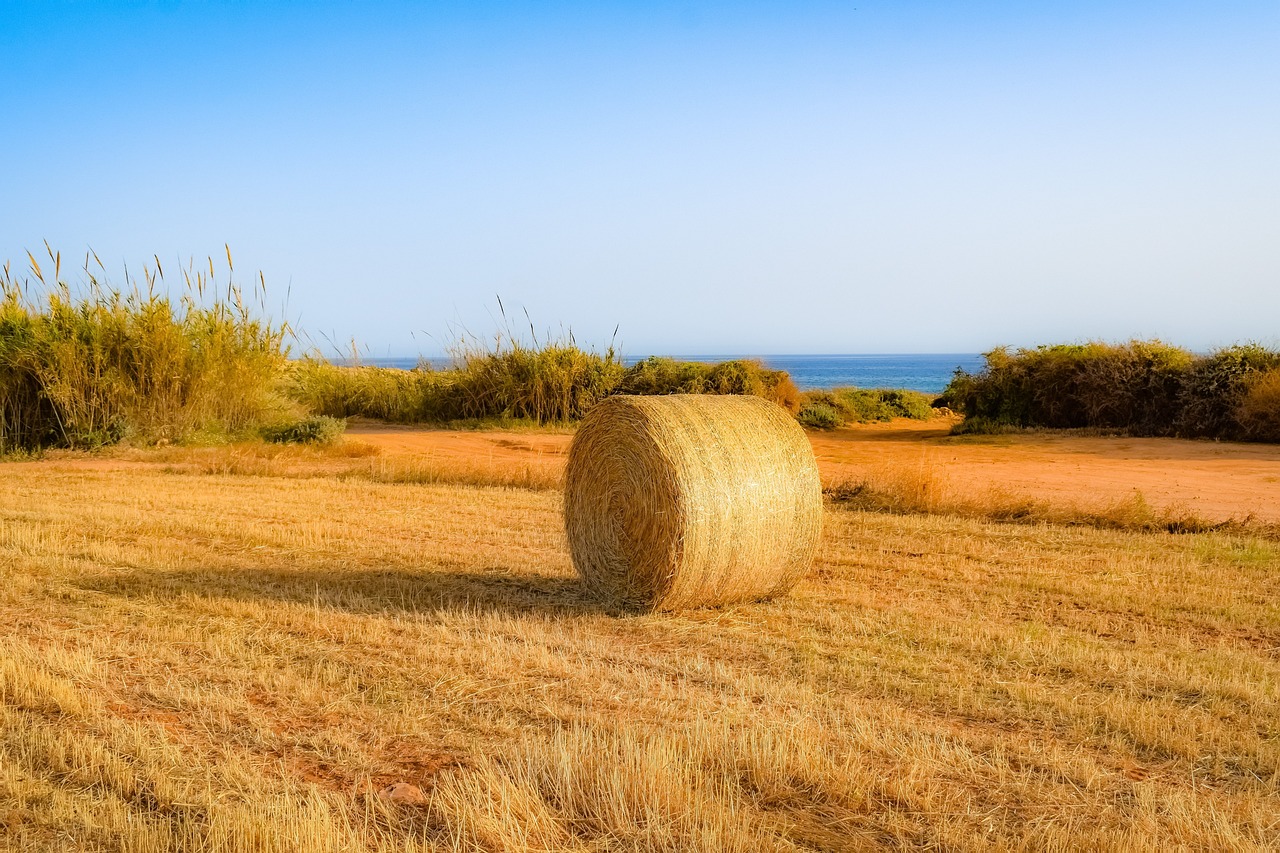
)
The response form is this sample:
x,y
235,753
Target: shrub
x,y
1040,386
980,425
660,375
1215,388
882,404
743,376
819,416
858,405
316,429
555,382
1135,386
1141,387
1259,411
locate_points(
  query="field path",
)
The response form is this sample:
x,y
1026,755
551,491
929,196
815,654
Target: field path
x,y
1214,480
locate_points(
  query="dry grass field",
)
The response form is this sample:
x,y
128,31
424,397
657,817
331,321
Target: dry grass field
x,y
236,649
919,465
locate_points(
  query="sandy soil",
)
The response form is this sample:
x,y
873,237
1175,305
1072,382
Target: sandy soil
x,y
1214,480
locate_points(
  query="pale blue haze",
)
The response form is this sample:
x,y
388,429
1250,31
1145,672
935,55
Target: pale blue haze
x,y
894,177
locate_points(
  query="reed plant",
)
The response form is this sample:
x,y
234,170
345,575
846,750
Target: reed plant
x,y
555,382
87,365
382,393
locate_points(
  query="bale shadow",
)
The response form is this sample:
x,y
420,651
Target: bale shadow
x,y
390,591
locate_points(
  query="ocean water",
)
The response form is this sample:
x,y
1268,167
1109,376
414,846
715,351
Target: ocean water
x,y
929,373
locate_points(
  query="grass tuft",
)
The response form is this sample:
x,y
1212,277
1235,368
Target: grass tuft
x,y
316,429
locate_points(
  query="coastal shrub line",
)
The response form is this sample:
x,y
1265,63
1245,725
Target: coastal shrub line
x,y
93,364
559,382
1140,387
553,383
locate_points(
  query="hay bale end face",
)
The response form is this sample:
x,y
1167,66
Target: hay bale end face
x,y
691,500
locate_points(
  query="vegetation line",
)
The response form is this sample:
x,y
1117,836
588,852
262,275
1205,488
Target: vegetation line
x,y
95,364
1140,387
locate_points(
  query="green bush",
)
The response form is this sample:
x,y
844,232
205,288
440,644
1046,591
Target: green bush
x,y
1135,386
981,425
859,405
554,383
1215,388
882,404
316,429
819,416
661,375
1141,387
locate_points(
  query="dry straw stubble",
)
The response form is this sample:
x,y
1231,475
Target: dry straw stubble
x,y
691,500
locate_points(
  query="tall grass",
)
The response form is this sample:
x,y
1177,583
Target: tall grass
x,y
1142,387
91,364
382,393
552,382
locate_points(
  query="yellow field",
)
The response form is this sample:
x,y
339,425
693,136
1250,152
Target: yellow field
x,y
215,650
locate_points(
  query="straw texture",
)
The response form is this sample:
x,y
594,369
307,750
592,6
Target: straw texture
x,y
690,500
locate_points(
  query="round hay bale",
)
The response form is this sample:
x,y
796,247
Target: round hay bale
x,y
690,500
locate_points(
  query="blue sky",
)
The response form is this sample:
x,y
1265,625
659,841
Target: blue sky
x,y
709,177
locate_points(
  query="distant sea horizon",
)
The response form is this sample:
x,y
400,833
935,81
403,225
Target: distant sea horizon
x,y
925,372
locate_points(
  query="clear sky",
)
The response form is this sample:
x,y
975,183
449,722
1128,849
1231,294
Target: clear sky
x,y
748,177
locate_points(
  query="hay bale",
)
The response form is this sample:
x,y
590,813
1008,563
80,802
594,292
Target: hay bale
x,y
691,500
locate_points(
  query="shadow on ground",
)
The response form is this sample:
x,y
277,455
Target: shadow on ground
x,y
421,591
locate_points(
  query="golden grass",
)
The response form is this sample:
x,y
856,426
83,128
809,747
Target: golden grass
x,y
924,488
348,459
236,661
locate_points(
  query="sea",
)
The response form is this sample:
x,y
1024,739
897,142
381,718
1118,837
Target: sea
x,y
927,372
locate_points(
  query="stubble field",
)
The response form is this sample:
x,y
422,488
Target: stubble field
x,y
237,648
